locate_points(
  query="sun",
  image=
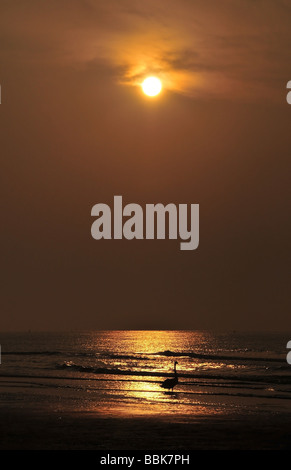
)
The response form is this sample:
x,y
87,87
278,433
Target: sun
x,y
151,86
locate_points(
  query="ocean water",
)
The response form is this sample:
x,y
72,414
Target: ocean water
x,y
120,372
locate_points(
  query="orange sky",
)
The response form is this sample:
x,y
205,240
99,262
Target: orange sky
x,y
76,130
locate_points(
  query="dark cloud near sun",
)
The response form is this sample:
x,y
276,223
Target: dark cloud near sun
x,y
199,48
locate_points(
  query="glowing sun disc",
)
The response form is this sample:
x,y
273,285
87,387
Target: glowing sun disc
x,y
151,86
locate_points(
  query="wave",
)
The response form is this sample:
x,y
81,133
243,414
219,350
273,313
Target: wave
x,y
106,355
271,378
219,357
137,357
145,357
104,370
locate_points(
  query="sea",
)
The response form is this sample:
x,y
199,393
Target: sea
x,y
119,373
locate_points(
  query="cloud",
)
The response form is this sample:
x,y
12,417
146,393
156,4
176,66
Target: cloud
x,y
202,48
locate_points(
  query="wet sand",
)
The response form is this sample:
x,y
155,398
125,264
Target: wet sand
x,y
36,430
42,416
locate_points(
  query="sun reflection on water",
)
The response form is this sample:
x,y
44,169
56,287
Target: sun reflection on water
x,y
151,352
125,370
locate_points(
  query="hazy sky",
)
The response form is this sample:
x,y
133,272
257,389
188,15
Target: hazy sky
x,y
77,130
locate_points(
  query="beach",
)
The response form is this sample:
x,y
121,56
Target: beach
x,y
35,430
56,395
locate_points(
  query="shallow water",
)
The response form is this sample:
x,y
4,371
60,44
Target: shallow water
x,y
120,372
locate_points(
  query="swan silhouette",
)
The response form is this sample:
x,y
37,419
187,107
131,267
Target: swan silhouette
x,y
170,383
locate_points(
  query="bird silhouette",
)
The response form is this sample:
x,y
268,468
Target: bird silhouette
x,y
170,383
